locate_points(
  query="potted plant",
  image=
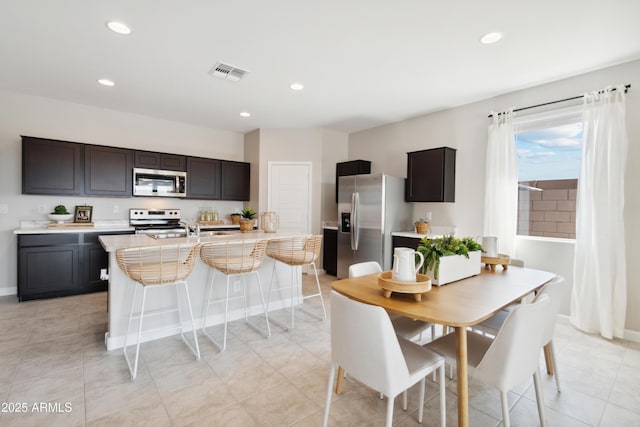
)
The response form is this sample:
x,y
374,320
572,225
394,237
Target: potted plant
x,y
247,221
235,217
60,214
422,226
448,258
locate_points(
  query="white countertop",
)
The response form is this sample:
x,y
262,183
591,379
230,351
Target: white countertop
x,y
110,243
42,227
434,231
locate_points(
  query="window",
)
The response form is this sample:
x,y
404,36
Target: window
x,y
549,147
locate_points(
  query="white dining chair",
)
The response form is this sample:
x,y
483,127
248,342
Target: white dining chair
x,y
405,327
364,343
510,358
555,290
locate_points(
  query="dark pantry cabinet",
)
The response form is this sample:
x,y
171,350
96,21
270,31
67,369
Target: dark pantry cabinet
x,y
60,264
431,175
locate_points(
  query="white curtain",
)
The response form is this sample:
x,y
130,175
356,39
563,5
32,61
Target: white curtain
x,y
599,295
501,183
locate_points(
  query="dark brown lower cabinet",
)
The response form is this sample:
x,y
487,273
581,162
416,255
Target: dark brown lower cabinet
x,y
330,251
56,265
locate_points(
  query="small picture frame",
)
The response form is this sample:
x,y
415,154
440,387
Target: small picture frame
x,y
83,214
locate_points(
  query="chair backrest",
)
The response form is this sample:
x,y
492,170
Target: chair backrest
x,y
364,343
555,290
234,257
156,265
364,268
515,352
295,250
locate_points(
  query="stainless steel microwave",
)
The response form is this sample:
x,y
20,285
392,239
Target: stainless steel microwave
x,y
159,183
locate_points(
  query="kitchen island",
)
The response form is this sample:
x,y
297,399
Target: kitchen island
x,y
155,327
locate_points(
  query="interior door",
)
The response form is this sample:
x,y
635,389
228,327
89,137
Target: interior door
x,y
290,195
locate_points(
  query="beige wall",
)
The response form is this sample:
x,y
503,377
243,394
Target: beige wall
x,y
465,128
47,118
321,147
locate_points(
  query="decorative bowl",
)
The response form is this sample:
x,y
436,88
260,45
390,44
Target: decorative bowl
x,y
60,218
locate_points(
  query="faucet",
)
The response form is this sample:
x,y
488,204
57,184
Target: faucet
x,y
197,229
186,227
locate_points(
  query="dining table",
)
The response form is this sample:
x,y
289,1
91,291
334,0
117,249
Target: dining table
x,y
460,305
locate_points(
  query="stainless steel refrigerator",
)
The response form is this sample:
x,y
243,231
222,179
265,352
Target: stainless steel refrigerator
x,y
370,207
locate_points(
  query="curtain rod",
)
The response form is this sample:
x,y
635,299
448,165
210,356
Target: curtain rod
x,y
626,89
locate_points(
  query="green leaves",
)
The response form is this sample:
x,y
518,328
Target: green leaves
x,y
60,210
248,213
434,249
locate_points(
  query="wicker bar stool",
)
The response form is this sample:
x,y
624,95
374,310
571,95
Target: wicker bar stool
x,y
154,267
233,258
294,252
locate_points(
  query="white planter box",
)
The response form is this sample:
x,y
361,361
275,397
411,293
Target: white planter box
x,y
456,267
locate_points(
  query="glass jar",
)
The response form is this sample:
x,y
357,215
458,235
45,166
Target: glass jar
x,y
269,222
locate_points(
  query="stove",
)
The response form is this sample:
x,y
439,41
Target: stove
x,y
156,221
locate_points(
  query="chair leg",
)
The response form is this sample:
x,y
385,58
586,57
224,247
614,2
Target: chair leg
x,y
332,374
133,370
255,327
505,409
555,365
443,401
389,411
207,301
404,400
195,351
539,397
421,407
226,318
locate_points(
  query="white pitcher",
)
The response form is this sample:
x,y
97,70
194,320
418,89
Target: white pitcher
x,y
404,264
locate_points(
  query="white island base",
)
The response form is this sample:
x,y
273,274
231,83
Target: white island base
x,y
158,323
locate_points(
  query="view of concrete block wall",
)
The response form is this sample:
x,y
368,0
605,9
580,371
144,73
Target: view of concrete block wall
x,y
550,212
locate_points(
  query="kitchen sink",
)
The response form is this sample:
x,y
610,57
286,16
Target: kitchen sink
x,y
168,235
214,233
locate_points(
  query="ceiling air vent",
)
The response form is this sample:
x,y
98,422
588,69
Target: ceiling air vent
x,y
227,72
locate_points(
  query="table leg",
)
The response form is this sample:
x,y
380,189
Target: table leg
x,y
339,380
548,359
463,381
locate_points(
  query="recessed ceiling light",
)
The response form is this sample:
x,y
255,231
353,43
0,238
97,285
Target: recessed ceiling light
x,y
296,86
119,27
106,82
490,38
245,114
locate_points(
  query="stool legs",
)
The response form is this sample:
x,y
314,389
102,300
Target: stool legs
x,y
133,368
295,288
208,302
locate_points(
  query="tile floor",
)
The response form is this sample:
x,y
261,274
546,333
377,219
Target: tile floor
x,y
52,355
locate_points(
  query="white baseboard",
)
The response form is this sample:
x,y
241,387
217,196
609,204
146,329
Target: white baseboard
x,y
629,335
8,291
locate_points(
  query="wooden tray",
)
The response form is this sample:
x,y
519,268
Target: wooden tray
x,y
417,288
219,222
491,262
70,224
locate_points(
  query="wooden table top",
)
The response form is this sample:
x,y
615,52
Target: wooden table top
x,y
463,303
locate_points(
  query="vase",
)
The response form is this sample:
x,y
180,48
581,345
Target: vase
x,y
247,225
456,267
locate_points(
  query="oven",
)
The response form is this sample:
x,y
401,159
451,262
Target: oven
x,y
158,223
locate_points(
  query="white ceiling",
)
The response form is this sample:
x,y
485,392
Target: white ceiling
x,y
364,63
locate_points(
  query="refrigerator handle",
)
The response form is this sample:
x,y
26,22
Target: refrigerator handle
x,y
355,223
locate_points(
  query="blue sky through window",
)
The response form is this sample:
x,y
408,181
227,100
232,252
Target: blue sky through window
x,y
549,153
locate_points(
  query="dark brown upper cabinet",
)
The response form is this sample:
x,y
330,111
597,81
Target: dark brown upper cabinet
x,y
236,180
108,171
203,178
162,161
51,167
431,175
